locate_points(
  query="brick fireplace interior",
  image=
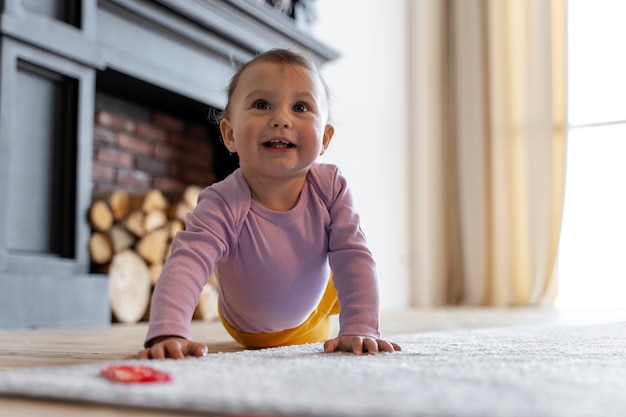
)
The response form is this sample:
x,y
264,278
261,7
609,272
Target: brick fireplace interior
x,y
156,139
97,95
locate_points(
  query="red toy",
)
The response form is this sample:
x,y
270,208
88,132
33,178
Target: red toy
x,y
135,374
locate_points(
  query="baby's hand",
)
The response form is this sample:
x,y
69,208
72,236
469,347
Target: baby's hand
x,y
171,347
359,344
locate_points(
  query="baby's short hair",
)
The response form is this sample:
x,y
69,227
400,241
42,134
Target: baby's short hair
x,y
276,56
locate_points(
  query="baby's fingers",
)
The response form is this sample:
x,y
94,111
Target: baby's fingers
x,y
195,349
370,345
331,345
357,345
170,348
373,346
387,346
179,348
162,350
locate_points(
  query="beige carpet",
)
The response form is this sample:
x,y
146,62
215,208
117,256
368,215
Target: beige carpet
x,y
545,370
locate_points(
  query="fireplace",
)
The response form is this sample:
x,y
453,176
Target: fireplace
x,y
68,68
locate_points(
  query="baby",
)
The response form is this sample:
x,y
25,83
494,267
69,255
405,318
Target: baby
x,y
281,233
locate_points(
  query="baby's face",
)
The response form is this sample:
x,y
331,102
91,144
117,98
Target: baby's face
x,y
278,120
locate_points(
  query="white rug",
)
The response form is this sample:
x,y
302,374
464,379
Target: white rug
x,y
551,371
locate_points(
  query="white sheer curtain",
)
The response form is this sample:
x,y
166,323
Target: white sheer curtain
x,y
488,130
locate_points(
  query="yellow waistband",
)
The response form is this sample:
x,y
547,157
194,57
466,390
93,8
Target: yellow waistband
x,y
316,328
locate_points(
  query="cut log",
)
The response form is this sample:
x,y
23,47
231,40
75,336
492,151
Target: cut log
x,y
129,287
168,250
213,280
179,211
175,226
206,309
190,196
134,223
154,200
100,216
100,248
132,237
119,201
153,220
146,315
155,273
152,246
121,238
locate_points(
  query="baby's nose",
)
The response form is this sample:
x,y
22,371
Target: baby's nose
x,y
280,120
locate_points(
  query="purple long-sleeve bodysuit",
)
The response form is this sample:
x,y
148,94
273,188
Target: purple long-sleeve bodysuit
x,y
272,267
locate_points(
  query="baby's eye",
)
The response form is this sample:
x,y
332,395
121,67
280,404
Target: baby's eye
x,y
261,105
300,108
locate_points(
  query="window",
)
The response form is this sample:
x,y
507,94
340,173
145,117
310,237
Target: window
x,y
592,264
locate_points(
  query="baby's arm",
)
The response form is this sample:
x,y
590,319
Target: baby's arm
x,y
192,259
171,347
359,345
354,277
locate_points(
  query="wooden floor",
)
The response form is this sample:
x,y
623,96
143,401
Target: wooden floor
x,y
30,348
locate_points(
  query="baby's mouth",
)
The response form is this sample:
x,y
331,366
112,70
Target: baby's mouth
x,y
279,144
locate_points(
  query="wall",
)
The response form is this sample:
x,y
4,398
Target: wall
x,y
369,85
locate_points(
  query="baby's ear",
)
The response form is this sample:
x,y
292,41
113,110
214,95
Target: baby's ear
x,y
329,131
227,135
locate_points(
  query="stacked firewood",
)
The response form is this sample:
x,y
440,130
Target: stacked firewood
x,y
131,239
